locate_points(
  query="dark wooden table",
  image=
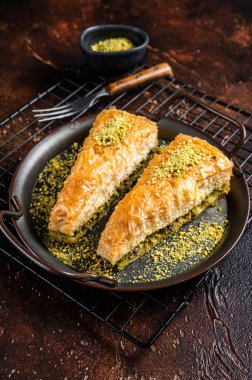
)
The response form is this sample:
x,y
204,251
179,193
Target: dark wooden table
x,y
42,335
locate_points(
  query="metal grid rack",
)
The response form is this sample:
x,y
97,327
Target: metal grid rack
x,y
139,317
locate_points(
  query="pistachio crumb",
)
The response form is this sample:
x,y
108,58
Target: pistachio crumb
x,y
112,132
184,157
184,245
113,44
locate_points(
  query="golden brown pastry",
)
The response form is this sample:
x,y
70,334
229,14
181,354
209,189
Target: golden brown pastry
x,y
117,143
188,173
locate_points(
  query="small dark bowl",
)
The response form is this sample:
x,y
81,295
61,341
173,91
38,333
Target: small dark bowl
x,y
113,62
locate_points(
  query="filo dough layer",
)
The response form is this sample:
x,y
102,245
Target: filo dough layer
x,y
100,169
162,194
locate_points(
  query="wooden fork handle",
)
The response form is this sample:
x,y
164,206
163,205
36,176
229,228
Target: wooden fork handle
x,y
141,77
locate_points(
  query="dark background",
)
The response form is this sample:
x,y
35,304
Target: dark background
x,y
43,336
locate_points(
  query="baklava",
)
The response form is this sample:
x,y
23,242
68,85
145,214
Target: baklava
x,y
188,176
117,145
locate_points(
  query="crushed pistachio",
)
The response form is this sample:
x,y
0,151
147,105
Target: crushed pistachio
x,y
113,132
113,44
184,157
160,148
186,247
197,240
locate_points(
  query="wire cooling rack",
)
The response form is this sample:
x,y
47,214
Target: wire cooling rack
x,y
140,317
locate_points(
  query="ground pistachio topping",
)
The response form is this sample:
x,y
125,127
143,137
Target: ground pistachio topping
x,y
113,132
187,247
113,44
184,157
197,240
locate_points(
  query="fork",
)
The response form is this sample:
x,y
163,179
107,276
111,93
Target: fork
x,y
84,103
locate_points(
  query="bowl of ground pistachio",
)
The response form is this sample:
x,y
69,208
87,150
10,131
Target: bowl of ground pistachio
x,y
113,48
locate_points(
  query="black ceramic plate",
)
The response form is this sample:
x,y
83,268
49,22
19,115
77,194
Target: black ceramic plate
x,y
234,207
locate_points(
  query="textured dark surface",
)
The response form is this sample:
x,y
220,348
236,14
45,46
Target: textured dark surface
x,y
43,336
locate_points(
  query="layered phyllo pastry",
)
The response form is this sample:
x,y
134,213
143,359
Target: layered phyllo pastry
x,y
112,157
187,177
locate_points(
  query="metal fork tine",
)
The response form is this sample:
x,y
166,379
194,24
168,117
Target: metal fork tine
x,y
57,117
51,109
51,113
